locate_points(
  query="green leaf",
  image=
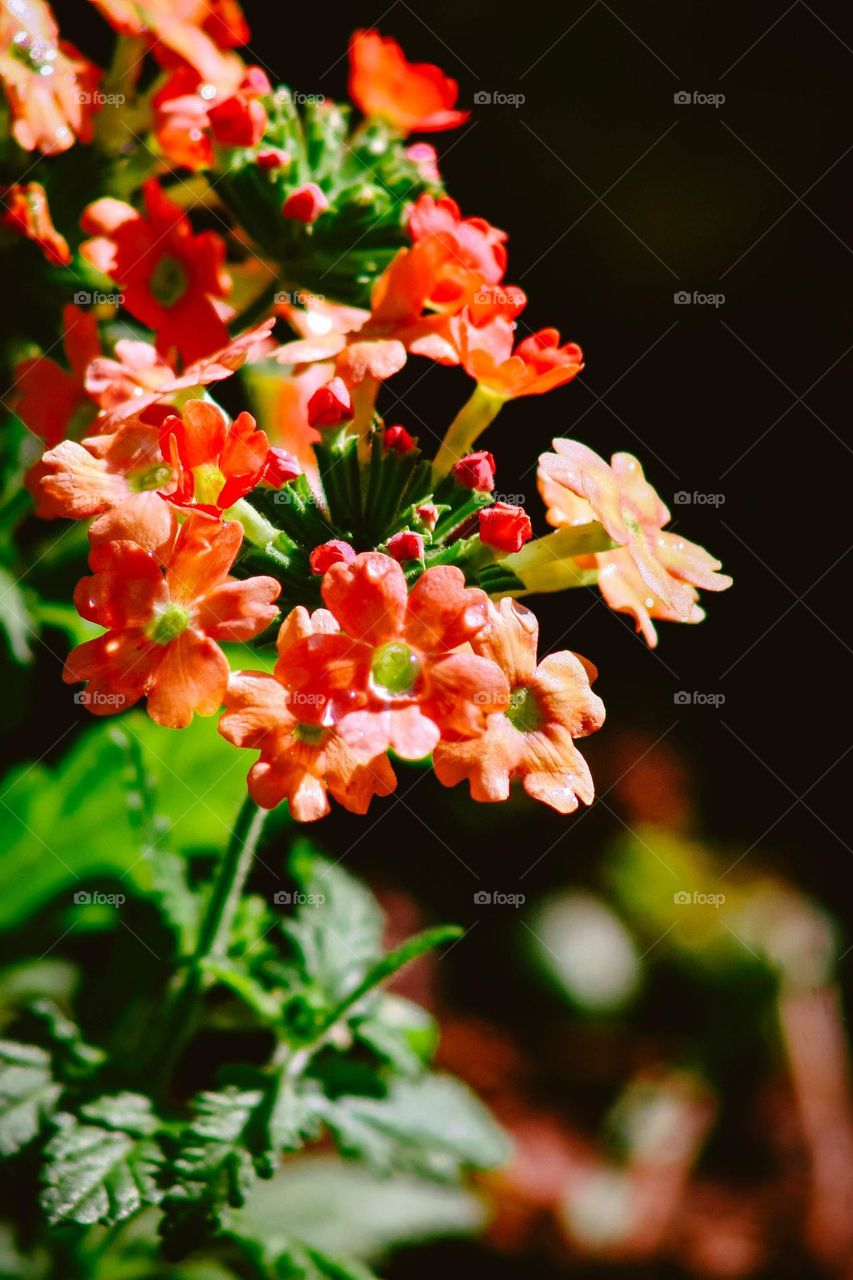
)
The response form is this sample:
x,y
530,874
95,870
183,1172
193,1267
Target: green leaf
x,y
28,1094
372,1215
396,960
102,1166
170,886
337,927
433,1126
217,1158
15,621
400,1032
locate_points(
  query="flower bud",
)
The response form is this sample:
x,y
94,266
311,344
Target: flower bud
x,y
330,404
329,553
476,471
279,467
238,122
305,204
273,158
406,546
504,527
398,439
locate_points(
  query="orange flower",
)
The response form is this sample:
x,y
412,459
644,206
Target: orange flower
x,y
300,758
190,31
410,96
28,214
49,398
532,738
394,675
164,613
50,85
137,377
216,462
169,276
538,364
653,574
188,108
86,479
475,245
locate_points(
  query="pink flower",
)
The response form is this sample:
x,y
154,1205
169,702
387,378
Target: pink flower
x,y
532,737
81,480
654,574
394,675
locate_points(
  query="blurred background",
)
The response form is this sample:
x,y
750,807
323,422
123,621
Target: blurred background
x,y
660,1023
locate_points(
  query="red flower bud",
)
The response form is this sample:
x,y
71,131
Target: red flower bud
x,y
238,122
305,204
398,438
274,158
329,553
330,404
256,83
406,546
428,513
476,471
504,527
279,467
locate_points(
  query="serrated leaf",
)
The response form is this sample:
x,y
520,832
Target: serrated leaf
x,y
103,1165
218,1156
433,1126
28,1094
337,929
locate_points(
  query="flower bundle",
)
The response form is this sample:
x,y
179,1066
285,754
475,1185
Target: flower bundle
x,y
394,569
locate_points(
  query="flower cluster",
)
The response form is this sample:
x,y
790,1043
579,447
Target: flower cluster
x,y
391,570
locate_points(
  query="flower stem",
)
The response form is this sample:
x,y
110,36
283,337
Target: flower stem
x,y
470,422
214,936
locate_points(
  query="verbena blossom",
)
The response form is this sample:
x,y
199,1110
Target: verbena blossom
x,y
411,96
532,738
655,573
164,614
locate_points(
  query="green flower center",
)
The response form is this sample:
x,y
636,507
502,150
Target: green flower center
x,y
168,281
168,624
524,712
311,734
395,668
151,478
208,483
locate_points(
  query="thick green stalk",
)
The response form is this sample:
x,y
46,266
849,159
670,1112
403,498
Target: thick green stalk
x,y
470,422
214,936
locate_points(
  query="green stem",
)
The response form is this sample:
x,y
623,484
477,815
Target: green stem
x,y
470,422
214,936
258,309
